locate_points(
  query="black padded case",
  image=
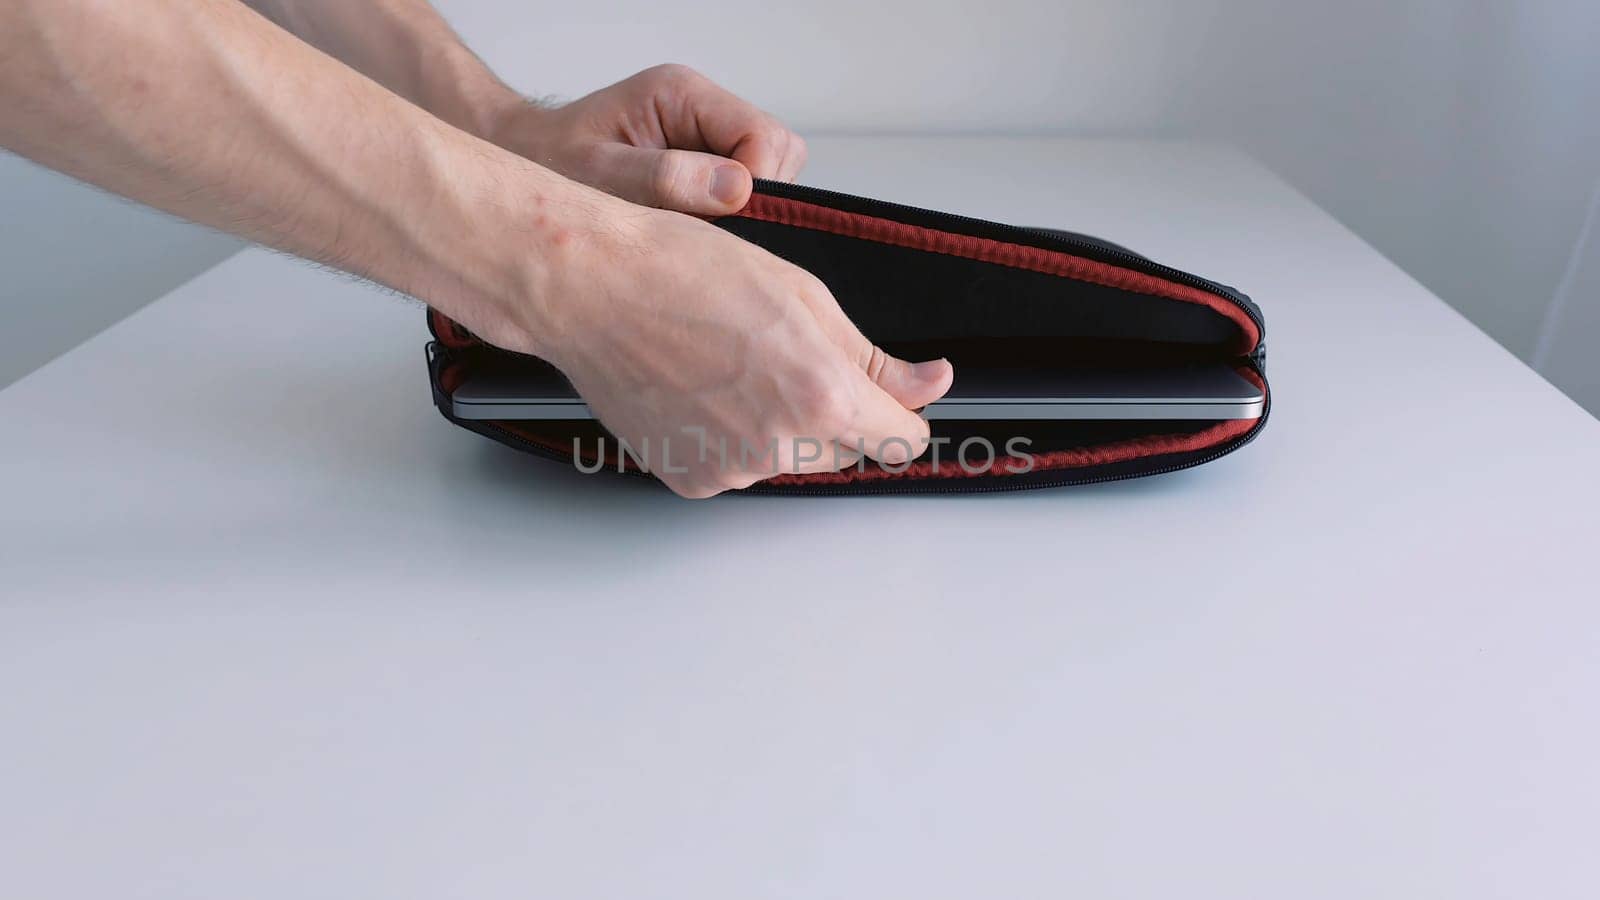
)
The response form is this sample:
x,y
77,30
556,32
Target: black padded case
x,y
926,284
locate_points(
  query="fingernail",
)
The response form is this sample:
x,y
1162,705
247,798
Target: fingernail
x,y
727,184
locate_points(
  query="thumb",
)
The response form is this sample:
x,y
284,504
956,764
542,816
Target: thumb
x,y
912,385
682,180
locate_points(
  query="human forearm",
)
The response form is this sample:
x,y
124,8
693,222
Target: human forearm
x,y
658,138
663,322
242,127
406,46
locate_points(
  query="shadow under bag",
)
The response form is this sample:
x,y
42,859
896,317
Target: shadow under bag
x,y
925,284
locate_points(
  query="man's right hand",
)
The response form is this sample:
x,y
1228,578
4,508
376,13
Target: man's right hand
x,y
669,326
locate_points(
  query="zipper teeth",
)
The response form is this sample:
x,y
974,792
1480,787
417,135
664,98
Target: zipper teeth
x,y
1133,260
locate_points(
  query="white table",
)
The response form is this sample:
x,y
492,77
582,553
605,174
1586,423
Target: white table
x,y
274,629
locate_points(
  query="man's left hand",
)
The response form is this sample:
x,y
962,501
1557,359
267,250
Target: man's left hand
x,y
668,137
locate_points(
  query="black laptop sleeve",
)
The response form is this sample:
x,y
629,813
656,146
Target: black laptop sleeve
x,y
925,284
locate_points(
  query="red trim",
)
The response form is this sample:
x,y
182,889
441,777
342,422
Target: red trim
x,y
450,378
448,332
800,214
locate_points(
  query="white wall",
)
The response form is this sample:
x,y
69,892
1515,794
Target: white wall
x,y
1460,137
1568,351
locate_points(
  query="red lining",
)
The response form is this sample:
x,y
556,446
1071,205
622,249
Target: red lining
x,y
449,332
450,378
800,214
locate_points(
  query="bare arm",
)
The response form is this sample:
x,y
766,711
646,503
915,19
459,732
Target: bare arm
x,y
406,46
207,110
666,137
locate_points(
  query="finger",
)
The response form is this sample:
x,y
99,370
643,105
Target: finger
x,y
798,455
885,430
823,456
794,159
708,116
914,385
762,152
681,180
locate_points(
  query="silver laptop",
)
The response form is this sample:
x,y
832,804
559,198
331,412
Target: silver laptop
x,y
1178,392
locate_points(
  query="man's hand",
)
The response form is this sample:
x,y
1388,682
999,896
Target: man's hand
x,y
667,137
707,346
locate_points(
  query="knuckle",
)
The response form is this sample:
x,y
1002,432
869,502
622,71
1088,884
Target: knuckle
x,y
826,405
875,363
772,144
672,74
808,285
587,158
668,175
797,146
